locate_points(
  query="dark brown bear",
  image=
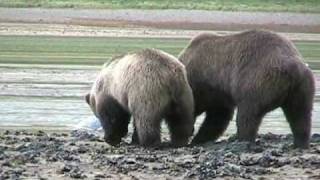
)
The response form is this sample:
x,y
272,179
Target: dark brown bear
x,y
255,72
148,85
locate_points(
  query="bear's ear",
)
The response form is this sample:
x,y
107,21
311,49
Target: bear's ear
x,y
88,98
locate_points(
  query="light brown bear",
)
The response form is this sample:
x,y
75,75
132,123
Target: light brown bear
x,y
148,85
254,71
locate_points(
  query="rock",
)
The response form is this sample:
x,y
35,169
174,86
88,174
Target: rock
x,y
82,149
270,136
99,175
157,166
315,161
248,160
276,152
83,135
40,133
233,168
205,173
18,171
282,162
77,174
7,163
195,151
257,170
129,161
256,148
6,132
65,134
72,143
315,138
238,147
266,160
26,139
65,168
3,156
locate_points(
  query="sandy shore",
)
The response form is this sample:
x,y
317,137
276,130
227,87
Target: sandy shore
x,y
27,29
78,154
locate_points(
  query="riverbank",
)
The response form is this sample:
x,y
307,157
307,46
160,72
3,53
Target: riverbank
x,y
43,29
78,154
166,19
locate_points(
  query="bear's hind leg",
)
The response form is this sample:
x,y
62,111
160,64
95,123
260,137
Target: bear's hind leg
x,y
215,123
180,117
298,114
147,130
300,124
180,122
249,117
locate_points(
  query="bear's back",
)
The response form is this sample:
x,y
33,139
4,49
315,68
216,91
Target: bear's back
x,y
257,48
148,72
147,63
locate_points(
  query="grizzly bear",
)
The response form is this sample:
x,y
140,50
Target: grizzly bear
x,y
254,71
149,85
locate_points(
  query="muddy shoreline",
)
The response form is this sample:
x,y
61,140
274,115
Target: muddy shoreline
x,y
82,155
34,29
166,19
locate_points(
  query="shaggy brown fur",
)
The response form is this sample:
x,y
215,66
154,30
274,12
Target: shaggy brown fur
x,y
255,71
149,85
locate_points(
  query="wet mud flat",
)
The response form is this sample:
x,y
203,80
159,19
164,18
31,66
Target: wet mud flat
x,y
82,155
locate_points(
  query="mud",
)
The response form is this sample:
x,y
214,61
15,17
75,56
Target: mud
x,y
83,155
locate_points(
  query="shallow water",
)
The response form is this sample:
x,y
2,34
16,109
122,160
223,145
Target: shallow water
x,y
51,95
28,99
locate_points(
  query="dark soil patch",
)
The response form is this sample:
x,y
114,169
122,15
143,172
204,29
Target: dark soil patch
x,y
79,154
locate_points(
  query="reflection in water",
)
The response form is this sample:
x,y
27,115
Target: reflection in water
x,y
29,98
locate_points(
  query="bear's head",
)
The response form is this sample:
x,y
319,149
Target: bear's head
x,y
114,129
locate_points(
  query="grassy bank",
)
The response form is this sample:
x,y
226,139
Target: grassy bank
x,y
95,51
76,50
226,5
